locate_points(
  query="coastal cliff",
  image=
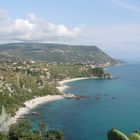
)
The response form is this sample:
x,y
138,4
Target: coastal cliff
x,y
31,81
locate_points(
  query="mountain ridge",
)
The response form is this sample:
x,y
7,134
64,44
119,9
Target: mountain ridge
x,y
60,53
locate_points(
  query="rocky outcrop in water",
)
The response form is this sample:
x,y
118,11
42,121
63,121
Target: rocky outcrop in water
x,y
107,76
75,97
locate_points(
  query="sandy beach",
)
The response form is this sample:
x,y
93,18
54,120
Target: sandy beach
x,y
45,99
75,79
62,86
33,104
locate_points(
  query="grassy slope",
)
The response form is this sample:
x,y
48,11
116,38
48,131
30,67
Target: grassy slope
x,y
21,94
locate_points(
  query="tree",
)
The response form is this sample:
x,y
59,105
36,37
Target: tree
x,y
23,131
98,72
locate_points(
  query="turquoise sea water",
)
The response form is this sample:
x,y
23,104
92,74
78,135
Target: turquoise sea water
x,y
113,103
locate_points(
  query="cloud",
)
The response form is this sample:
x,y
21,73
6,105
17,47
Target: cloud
x,y
33,28
36,29
127,6
3,15
116,33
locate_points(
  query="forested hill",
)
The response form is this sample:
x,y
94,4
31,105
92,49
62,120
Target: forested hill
x,y
60,53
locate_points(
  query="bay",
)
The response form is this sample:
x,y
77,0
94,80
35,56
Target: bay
x,y
112,104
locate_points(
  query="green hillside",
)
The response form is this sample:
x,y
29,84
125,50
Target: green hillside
x,y
59,53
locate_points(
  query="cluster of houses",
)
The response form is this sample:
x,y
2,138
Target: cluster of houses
x,y
29,68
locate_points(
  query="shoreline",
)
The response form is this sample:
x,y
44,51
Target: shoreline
x,y
62,83
33,103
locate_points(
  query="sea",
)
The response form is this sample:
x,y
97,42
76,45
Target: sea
x,y
111,103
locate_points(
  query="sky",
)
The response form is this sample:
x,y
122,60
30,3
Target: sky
x,y
112,25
